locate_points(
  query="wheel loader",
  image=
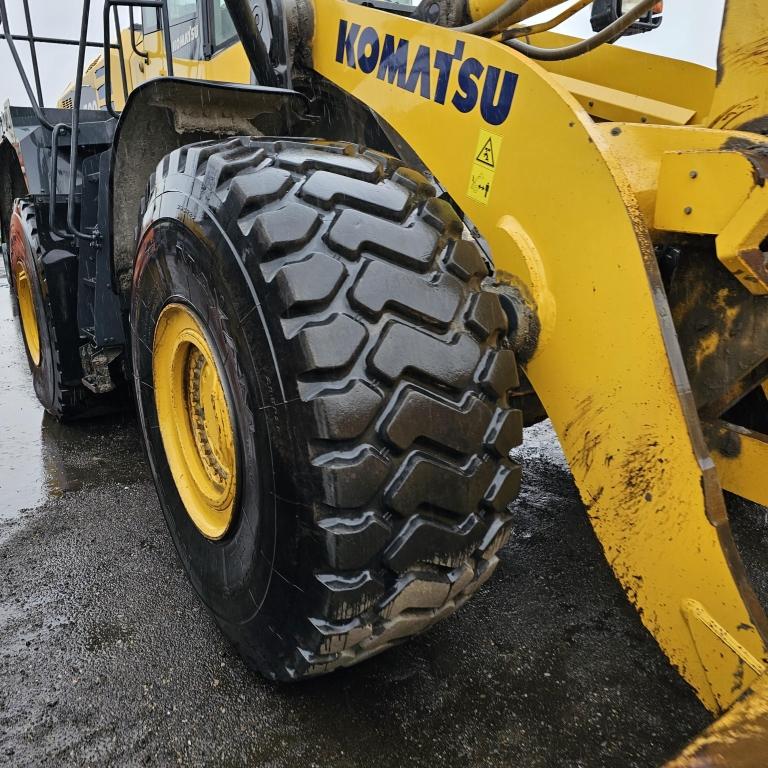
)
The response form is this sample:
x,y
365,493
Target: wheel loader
x,y
339,253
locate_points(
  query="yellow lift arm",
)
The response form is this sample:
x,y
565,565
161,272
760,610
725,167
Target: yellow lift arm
x,y
571,210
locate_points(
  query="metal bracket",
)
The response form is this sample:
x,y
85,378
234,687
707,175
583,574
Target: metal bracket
x,y
95,362
721,193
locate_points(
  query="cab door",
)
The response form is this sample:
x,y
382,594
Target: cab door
x,y
186,28
225,59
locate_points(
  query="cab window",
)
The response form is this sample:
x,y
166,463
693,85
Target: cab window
x,y
223,26
149,19
178,11
181,10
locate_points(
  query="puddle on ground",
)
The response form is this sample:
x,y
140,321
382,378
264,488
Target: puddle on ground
x,y
21,464
40,458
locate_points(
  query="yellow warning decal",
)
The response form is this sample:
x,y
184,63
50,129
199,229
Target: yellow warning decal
x,y
480,183
484,166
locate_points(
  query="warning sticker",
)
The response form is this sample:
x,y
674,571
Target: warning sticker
x,y
480,183
484,166
488,149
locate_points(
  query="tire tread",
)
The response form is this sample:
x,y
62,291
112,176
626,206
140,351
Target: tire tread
x,y
403,376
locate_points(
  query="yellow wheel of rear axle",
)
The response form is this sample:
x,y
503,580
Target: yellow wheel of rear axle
x,y
195,420
28,313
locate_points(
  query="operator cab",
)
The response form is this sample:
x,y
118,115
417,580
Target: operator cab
x,y
203,44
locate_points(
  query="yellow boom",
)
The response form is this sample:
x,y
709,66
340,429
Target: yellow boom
x,y
571,210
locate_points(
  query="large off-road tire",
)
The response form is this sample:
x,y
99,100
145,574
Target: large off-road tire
x,y
62,397
365,370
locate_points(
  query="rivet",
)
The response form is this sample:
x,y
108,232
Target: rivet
x,y
694,174
616,131
688,210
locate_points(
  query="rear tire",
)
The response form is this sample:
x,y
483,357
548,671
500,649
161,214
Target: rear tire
x,y
363,354
61,398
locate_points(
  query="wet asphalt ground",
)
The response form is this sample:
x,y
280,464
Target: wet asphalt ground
x,y
108,658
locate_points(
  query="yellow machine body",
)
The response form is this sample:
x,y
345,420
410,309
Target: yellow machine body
x,y
573,172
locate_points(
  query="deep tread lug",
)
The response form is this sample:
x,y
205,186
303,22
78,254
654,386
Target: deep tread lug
x,y
495,537
326,190
415,590
424,540
331,344
222,167
422,481
350,480
199,154
345,414
307,158
403,625
505,432
415,414
343,597
460,578
354,232
414,181
443,217
309,282
486,316
282,230
465,260
498,373
352,542
252,191
504,487
388,163
380,285
403,348
337,636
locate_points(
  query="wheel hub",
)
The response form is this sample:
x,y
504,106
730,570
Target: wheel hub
x,y
195,421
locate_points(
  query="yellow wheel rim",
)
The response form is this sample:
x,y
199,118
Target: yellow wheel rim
x,y
195,420
28,313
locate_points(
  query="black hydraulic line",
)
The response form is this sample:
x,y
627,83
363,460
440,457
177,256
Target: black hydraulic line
x,y
167,37
108,62
611,32
494,18
39,114
141,54
544,26
120,54
33,54
52,179
76,124
253,43
54,40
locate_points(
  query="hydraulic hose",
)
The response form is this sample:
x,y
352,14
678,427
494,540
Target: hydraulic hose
x,y
611,32
534,29
250,37
494,18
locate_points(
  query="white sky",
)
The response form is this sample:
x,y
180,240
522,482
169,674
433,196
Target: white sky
x,y
52,18
690,31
